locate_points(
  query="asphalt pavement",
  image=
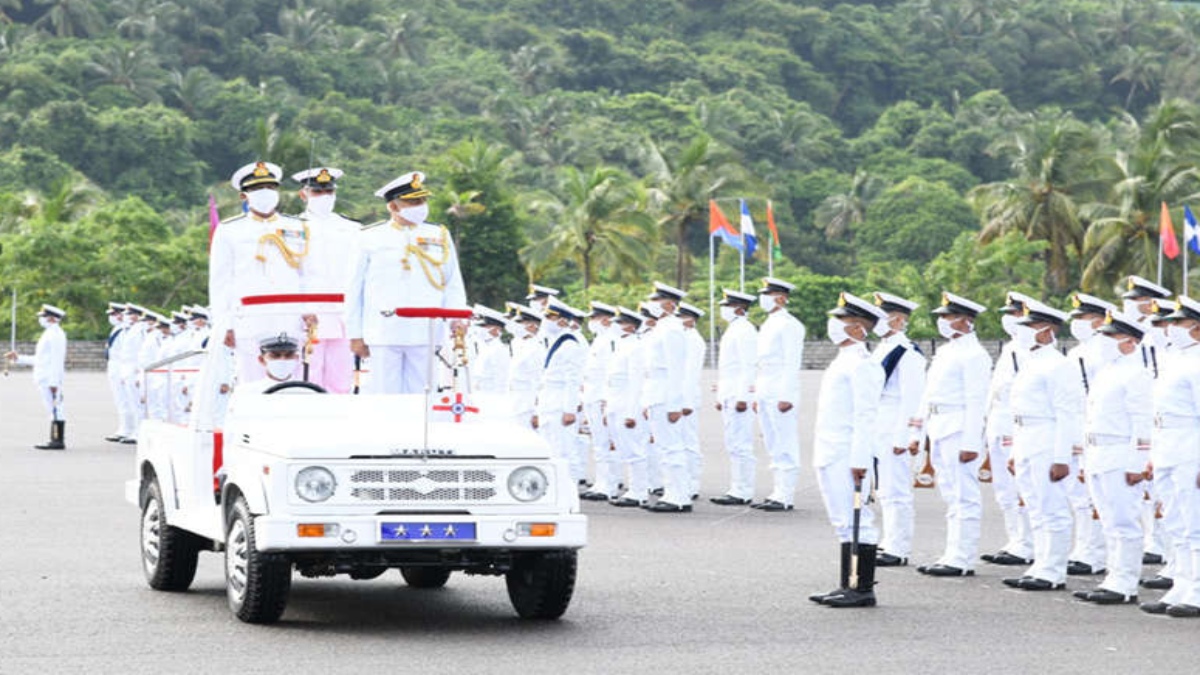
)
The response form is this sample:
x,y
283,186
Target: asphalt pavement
x,y
720,590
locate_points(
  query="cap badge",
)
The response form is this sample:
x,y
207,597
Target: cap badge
x,y
416,182
1075,301
841,300
945,299
878,300
260,170
1131,285
324,176
1108,317
1154,308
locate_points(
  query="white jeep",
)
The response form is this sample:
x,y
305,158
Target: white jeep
x,y
322,484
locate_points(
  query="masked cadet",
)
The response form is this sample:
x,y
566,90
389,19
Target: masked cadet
x,y
261,252
157,390
130,346
1117,444
561,378
112,361
491,358
49,368
279,359
528,362
663,398
780,355
629,430
954,407
1175,458
329,268
998,430
595,379
694,370
403,262
197,339
736,367
899,415
539,297
1047,404
1088,553
146,356
844,447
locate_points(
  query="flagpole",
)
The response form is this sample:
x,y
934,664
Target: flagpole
x,y
1160,260
742,265
712,303
1185,268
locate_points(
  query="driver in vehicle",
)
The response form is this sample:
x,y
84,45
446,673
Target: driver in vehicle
x,y
279,355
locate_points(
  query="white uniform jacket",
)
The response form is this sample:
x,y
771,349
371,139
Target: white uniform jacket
x,y
242,263
1117,416
49,357
999,415
489,372
900,401
693,369
956,390
525,373
780,354
1176,436
329,266
1047,398
595,370
559,391
845,425
624,377
737,361
665,363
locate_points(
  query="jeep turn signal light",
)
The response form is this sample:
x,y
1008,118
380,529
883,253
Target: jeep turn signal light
x,y
316,530
536,529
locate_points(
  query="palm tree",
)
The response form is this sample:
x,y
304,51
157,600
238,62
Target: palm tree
x,y
529,65
1141,67
839,213
303,27
66,200
6,5
681,187
143,18
71,18
600,223
191,87
133,69
1047,159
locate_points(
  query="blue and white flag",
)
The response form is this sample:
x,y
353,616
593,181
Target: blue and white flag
x,y
748,234
1191,232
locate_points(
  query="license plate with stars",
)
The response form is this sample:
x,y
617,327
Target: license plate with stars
x,y
427,531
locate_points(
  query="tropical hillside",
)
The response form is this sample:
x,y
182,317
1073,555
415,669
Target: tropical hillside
x,y
910,144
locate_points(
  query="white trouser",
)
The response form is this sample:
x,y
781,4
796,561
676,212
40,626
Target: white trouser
x,y
690,433
958,484
53,402
782,439
608,462
1049,512
1181,524
1004,489
672,458
631,449
837,491
114,385
156,396
331,365
1119,506
133,400
896,501
1089,546
739,443
398,370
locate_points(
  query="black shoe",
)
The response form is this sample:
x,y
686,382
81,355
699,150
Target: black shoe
x,y
940,570
1035,584
849,597
1154,607
889,560
1184,611
1083,595
1005,558
1103,596
51,445
1152,559
695,496
657,492
626,502
583,483
593,496
1014,582
1158,583
819,598
1082,569
668,507
129,441
115,438
729,500
772,505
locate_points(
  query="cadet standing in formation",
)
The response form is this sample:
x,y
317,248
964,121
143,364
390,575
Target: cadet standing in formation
x,y
561,378
492,357
663,398
595,377
112,367
49,368
780,354
622,393
692,394
736,369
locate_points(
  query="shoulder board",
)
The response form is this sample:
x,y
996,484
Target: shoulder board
x,y
374,225
356,221
240,216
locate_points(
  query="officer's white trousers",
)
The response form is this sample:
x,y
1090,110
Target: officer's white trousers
x,y
53,402
398,370
672,457
690,431
739,443
118,392
782,439
561,438
1089,545
130,385
1181,523
1004,490
896,501
1119,506
631,448
958,484
607,462
837,491
1049,512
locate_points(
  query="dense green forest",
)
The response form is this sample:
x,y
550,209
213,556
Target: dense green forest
x,y
910,145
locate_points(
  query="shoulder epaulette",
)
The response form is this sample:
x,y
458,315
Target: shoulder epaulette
x,y
240,216
373,225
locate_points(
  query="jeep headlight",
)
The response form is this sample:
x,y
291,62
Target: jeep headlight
x,y
315,484
527,484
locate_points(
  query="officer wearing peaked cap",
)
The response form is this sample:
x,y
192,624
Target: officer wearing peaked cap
x,y
1116,451
623,384
663,399
780,354
402,262
595,374
736,368
539,296
844,441
1175,456
528,361
279,358
953,408
128,348
1047,402
49,369
561,378
328,270
903,367
112,351
694,368
491,360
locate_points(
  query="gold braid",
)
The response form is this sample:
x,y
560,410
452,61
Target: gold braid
x,y
428,262
292,258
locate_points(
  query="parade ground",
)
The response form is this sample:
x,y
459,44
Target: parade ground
x,y
720,590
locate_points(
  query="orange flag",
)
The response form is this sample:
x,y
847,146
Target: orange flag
x,y
1166,234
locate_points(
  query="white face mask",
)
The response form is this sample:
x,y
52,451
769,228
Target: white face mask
x,y
551,328
728,314
1025,337
1132,307
595,327
882,328
655,307
767,302
945,329
1009,323
836,329
1180,337
114,320
321,205
1081,329
263,201
1108,349
176,329
281,369
415,214
43,322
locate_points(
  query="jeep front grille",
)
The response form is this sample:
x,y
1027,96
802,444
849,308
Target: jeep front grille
x,y
421,486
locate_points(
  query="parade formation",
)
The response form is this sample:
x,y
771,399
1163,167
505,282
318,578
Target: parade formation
x,y
1093,455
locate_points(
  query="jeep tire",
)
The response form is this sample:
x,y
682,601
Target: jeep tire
x,y
540,584
169,554
257,584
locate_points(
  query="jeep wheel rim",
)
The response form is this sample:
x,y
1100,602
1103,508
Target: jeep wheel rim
x,y
151,535
236,559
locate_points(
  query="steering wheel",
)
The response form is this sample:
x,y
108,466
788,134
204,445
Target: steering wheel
x,y
298,384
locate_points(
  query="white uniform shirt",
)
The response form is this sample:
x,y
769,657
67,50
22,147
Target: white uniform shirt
x,y
624,377
693,369
665,363
1176,436
559,390
737,361
850,391
489,372
329,266
130,347
595,370
1048,395
402,266
956,387
900,401
780,354
525,373
49,358
235,270
999,416
1116,409
112,350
